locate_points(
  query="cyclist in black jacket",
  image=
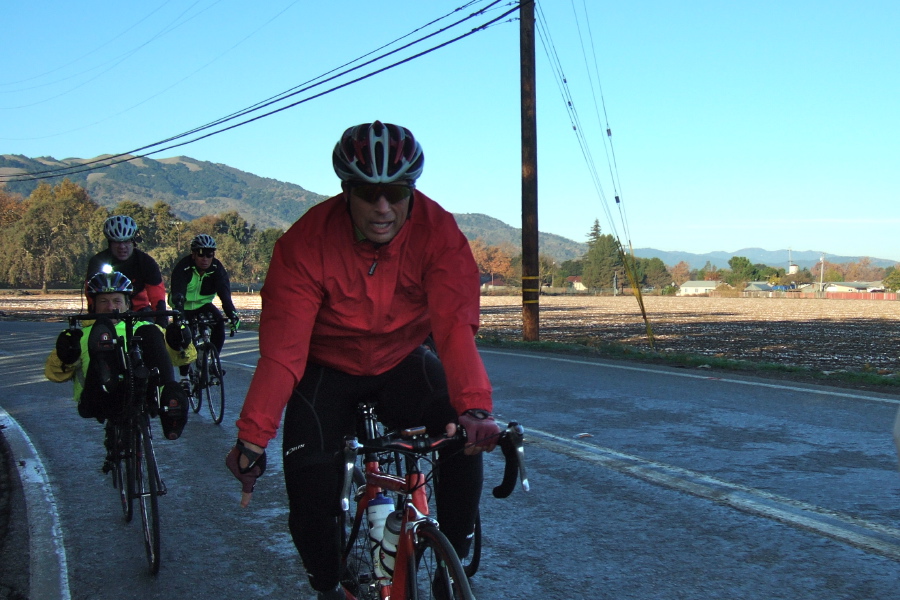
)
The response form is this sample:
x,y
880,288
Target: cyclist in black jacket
x,y
196,280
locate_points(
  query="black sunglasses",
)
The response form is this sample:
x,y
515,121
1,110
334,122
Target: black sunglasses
x,y
371,192
205,252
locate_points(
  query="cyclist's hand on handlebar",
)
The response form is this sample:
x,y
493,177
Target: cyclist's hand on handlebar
x,y
68,346
481,431
235,322
178,336
247,462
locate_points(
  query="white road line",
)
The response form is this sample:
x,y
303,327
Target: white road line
x,y
49,571
844,528
779,386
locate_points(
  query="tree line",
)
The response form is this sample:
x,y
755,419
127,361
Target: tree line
x,y
607,267
48,238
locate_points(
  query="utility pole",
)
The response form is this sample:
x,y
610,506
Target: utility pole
x,y
531,285
822,274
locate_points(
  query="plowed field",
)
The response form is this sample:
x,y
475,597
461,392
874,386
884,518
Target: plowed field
x,y
826,335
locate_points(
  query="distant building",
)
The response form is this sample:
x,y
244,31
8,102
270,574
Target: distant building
x,y
758,286
854,286
575,282
697,288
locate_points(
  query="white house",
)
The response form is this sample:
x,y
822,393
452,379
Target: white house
x,y
697,288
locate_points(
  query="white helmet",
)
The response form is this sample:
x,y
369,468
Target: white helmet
x,y
119,228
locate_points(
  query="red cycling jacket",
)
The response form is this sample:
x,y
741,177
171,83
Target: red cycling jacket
x,y
346,304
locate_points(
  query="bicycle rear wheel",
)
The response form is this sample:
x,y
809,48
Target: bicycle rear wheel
x,y
215,385
147,482
435,570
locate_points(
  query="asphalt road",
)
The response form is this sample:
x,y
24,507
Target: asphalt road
x,y
646,483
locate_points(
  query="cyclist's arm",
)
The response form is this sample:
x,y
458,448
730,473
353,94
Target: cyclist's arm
x,y
55,370
452,284
223,291
291,298
179,282
154,286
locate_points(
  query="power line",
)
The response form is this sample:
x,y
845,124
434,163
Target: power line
x,y
131,155
118,60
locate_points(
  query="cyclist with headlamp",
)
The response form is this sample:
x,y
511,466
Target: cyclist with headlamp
x,y
123,256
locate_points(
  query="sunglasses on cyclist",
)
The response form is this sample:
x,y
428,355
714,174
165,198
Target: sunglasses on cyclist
x,y
205,252
371,192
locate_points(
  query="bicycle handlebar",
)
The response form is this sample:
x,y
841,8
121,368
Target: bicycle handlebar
x,y
129,316
414,441
512,443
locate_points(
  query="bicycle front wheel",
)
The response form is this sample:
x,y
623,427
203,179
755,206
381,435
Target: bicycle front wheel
x,y
196,395
123,471
359,575
147,481
215,385
435,570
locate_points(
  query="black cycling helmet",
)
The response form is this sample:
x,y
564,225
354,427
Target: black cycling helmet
x,y
378,153
203,241
119,228
108,283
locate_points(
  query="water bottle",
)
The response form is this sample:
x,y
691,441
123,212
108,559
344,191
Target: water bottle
x,y
389,541
377,512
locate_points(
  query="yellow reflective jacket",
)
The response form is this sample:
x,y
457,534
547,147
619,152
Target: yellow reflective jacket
x,y
57,371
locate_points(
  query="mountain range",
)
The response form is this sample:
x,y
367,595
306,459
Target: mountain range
x,y
194,188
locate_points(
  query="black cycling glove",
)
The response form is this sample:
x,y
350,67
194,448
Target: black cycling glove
x,y
178,336
68,346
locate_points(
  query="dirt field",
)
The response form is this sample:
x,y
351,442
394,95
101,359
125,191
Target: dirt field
x,y
827,335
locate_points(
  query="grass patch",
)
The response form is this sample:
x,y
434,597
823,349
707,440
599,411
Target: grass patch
x,y
617,351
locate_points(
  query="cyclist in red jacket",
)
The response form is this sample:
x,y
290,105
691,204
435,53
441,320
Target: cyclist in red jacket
x,y
353,290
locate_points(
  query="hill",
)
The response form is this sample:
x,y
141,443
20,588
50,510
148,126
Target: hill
x,y
772,258
194,188
495,232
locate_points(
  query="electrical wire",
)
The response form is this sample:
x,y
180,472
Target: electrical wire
x,y
133,154
86,54
182,80
172,26
628,261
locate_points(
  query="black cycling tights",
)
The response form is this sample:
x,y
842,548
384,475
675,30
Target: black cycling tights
x,y
322,411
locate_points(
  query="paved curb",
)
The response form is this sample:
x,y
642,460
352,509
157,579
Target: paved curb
x,y
47,568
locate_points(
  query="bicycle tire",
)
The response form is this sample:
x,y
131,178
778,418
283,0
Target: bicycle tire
x,y
471,562
196,395
122,472
148,493
435,566
215,386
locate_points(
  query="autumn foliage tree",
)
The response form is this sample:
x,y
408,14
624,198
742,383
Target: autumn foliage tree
x,y
50,236
48,243
492,261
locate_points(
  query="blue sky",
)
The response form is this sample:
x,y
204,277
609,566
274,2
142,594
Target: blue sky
x,y
766,124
